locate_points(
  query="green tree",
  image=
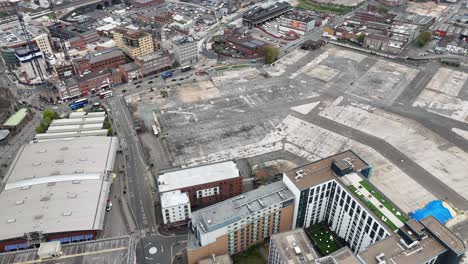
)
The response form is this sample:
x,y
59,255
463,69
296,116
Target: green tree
x,y
41,128
423,38
382,10
50,114
360,38
271,54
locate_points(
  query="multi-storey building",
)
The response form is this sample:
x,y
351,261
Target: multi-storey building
x,y
418,242
205,184
299,22
185,50
292,247
101,60
43,43
234,225
175,207
323,194
134,43
154,62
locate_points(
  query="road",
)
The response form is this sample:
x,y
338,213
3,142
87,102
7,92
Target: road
x,y
138,182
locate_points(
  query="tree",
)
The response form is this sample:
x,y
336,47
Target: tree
x,y
41,128
50,114
360,38
382,10
423,38
271,54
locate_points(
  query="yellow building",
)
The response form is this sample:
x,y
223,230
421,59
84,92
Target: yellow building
x,y
134,43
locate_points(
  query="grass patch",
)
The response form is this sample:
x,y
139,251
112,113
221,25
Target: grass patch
x,y
250,256
323,7
3,14
373,208
323,239
383,200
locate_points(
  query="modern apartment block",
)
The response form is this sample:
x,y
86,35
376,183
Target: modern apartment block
x,y
175,207
291,247
134,43
232,226
420,242
206,184
185,50
323,194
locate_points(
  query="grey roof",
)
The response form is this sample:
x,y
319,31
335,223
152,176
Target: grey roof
x,y
104,55
78,121
286,242
57,186
177,179
241,206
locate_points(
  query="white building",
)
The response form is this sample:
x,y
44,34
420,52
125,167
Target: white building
x,y
56,190
175,208
43,43
185,50
323,194
296,21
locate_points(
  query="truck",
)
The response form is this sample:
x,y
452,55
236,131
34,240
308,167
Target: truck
x,y
167,74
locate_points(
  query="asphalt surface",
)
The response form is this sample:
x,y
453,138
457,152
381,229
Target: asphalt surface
x,y
138,191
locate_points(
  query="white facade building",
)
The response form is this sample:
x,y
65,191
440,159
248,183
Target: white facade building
x,y
185,50
175,207
321,196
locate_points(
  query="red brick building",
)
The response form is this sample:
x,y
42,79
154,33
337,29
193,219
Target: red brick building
x,y
100,60
84,85
204,185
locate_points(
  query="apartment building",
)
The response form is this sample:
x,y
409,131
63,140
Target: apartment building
x,y
323,194
154,62
418,242
232,226
43,43
292,247
100,60
185,50
134,43
175,207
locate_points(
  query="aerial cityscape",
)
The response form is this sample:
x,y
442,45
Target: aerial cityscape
x,y
234,131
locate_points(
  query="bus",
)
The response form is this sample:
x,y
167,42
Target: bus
x,y
166,74
105,95
185,68
78,104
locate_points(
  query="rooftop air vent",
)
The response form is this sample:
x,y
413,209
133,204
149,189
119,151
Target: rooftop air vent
x,y
45,198
71,195
79,171
64,148
11,220
42,151
67,213
51,184
36,163
55,173
19,202
76,182
27,187
37,217
83,159
59,161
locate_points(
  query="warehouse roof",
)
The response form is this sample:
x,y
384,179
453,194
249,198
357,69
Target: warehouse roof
x,y
78,121
16,118
57,186
177,179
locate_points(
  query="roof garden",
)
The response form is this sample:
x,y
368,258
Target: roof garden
x,y
375,201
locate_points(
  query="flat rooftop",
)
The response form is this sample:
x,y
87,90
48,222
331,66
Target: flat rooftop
x,y
178,179
430,238
299,16
78,121
103,55
290,242
11,35
57,186
342,256
16,118
259,13
112,250
320,171
74,128
174,198
234,209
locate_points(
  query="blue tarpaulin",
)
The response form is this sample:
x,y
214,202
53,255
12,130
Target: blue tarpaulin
x,y
434,208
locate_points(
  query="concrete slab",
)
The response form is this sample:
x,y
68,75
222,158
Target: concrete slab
x,y
448,81
305,108
440,158
383,83
322,72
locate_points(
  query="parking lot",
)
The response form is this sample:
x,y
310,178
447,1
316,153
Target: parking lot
x,y
251,112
